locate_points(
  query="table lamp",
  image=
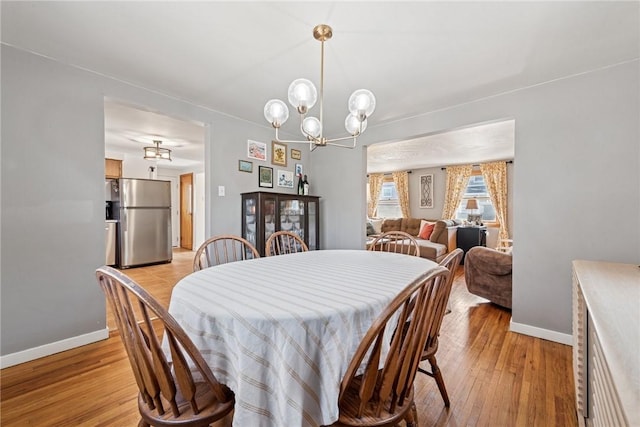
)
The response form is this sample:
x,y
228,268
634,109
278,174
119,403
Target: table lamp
x,y
473,211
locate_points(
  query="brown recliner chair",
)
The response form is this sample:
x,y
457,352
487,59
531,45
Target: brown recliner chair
x,y
487,273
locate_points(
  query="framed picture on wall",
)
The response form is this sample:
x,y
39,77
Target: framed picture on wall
x,y
265,177
278,153
298,169
245,166
296,154
285,179
426,191
256,150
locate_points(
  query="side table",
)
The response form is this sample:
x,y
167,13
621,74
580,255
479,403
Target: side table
x,y
468,237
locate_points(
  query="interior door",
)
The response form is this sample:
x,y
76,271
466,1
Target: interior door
x,y
186,211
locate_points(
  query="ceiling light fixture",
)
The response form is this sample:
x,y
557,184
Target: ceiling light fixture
x,y
157,153
303,96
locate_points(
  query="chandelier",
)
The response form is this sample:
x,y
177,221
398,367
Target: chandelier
x,y
157,153
303,96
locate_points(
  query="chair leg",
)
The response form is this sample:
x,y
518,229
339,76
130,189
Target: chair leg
x,y
437,375
411,419
143,423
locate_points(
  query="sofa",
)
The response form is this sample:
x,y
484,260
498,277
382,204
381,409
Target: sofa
x,y
487,273
441,241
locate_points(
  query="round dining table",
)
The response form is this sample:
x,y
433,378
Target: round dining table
x,y
280,331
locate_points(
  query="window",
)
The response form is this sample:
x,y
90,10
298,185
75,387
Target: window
x,y
388,203
477,189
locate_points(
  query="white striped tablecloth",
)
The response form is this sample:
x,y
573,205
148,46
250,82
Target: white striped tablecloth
x,y
280,331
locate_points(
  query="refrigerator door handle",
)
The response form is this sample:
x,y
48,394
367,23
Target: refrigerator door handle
x,y
123,220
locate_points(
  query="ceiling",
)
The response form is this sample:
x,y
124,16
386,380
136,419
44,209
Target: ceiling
x,y
128,129
416,57
475,144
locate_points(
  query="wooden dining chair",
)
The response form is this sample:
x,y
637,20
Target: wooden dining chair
x,y
222,249
378,391
396,241
450,262
284,242
177,387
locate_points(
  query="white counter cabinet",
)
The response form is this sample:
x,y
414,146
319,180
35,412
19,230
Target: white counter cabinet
x,y
606,343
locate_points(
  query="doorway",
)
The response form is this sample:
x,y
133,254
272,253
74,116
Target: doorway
x,y
186,211
430,153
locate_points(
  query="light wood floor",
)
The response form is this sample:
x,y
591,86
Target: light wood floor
x,y
159,279
494,377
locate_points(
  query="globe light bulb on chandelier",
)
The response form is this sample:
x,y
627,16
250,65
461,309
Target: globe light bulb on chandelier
x,y
302,95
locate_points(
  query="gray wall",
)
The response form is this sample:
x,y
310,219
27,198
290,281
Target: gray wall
x,y
577,170
52,177
575,186
439,184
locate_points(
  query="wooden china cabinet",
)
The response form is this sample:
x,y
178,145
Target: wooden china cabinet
x,y
264,213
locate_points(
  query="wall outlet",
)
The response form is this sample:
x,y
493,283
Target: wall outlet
x,y
221,190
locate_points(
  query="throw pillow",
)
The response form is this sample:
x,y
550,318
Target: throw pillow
x,y
423,222
426,230
370,229
377,225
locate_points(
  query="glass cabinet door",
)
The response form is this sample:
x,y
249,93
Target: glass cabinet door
x,y
269,207
313,225
292,216
250,220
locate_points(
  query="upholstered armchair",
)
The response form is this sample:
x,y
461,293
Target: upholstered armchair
x,y
487,273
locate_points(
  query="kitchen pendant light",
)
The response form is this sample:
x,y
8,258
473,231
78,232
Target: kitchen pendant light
x,y
157,153
302,95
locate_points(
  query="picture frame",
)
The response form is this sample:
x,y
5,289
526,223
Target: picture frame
x,y
475,219
298,170
278,153
256,150
296,154
426,191
245,166
285,179
265,177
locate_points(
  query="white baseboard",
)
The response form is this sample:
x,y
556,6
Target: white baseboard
x,y
545,334
52,348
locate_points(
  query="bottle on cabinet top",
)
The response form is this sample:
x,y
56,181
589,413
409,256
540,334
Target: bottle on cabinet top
x,y
305,186
300,185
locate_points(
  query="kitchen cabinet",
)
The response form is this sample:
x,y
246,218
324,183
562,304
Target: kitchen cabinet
x,y
112,168
264,213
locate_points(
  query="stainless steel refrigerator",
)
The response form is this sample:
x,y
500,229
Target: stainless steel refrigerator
x,y
144,222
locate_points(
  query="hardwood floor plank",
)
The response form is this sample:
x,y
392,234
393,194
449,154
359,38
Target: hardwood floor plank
x,y
494,377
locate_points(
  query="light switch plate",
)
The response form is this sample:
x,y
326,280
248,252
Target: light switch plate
x,y
221,190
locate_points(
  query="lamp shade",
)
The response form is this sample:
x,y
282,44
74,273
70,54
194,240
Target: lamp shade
x,y
362,103
302,95
354,126
311,126
276,112
472,204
